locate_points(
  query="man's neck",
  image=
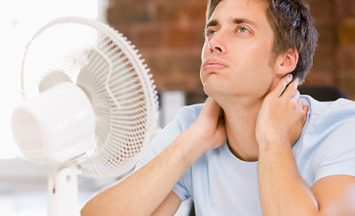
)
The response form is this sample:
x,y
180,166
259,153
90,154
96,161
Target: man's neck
x,y
240,127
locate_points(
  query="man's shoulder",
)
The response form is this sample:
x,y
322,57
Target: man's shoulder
x,y
326,137
188,114
193,109
322,115
184,117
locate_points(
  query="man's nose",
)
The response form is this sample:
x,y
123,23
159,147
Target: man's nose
x,y
217,43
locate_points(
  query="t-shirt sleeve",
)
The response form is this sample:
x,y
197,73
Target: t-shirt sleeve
x,y
182,188
336,155
162,140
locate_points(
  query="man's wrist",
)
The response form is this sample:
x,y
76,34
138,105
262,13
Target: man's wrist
x,y
193,147
273,146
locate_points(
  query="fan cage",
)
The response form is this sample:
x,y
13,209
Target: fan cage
x,y
119,85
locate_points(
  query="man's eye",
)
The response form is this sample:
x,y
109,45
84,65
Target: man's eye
x,y
242,29
209,33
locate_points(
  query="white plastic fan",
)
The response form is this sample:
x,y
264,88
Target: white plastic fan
x,y
90,106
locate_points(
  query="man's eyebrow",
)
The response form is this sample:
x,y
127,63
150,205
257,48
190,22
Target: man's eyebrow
x,y
243,20
212,23
234,21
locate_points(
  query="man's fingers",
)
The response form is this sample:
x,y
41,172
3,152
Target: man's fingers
x,y
294,95
305,108
291,90
305,111
281,86
211,109
300,104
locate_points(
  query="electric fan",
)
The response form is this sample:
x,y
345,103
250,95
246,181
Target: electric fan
x,y
90,106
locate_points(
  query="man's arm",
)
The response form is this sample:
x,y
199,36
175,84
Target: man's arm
x,y
282,189
169,206
279,124
150,187
335,195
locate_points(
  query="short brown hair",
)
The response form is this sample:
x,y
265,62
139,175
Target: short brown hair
x,y
293,27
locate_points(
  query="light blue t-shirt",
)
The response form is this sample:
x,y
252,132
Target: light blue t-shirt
x,y
221,184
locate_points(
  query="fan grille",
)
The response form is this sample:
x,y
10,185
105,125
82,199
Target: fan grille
x,y
115,79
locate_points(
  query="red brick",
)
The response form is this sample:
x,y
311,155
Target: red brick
x,y
149,36
186,36
178,11
345,9
179,70
126,12
325,58
327,35
346,59
348,86
323,11
320,78
346,32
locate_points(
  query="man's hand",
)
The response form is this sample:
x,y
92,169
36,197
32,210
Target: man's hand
x,y
208,131
281,116
279,124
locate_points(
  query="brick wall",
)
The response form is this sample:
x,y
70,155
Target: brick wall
x,y
345,11
169,34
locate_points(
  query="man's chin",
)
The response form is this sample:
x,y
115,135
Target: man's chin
x,y
206,89
213,92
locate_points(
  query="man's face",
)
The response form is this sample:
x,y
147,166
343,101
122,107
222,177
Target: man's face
x,y
237,58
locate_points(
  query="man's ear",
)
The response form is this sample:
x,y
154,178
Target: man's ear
x,y
287,62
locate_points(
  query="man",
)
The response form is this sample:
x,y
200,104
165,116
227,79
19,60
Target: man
x,y
255,147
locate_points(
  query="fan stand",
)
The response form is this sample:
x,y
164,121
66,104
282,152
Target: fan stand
x,y
63,191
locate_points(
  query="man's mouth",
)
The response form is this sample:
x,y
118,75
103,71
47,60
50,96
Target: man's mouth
x,y
213,64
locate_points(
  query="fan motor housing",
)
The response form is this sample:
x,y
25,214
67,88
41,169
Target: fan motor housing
x,y
56,126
